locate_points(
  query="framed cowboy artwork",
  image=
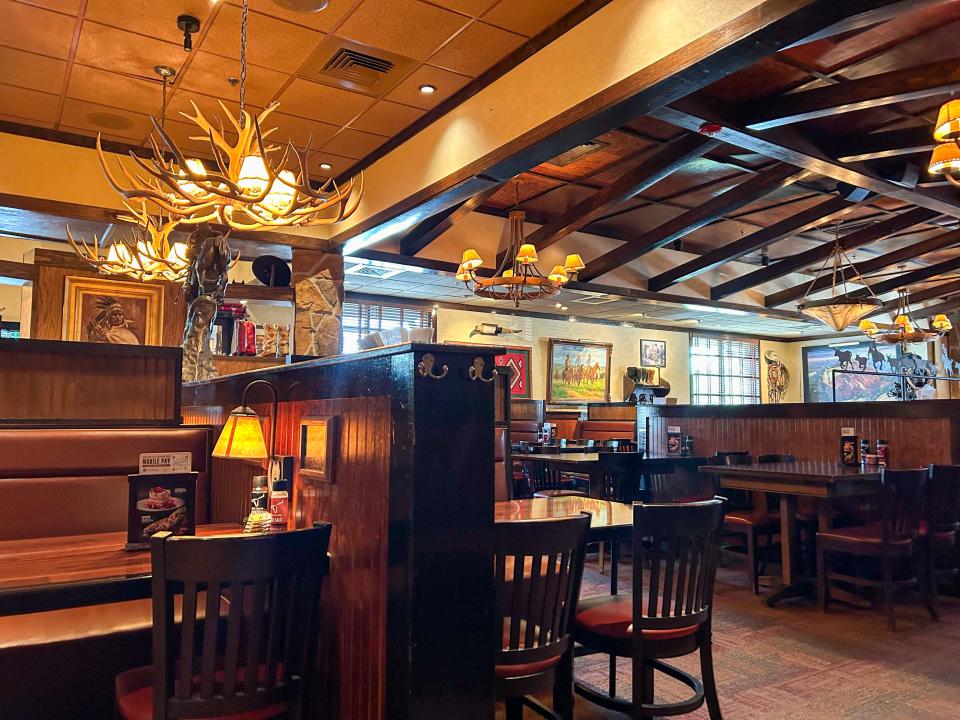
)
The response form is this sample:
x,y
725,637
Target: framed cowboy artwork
x,y
579,371
111,311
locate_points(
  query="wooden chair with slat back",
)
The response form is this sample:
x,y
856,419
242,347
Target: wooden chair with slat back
x,y
940,527
538,566
669,614
895,537
259,661
684,484
546,481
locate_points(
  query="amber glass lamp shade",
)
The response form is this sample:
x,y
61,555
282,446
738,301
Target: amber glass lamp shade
x,y
242,437
868,328
573,263
948,122
942,323
462,274
840,312
471,259
558,275
945,158
527,254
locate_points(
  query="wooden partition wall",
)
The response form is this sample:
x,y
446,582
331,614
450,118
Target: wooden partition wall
x,y
918,433
408,630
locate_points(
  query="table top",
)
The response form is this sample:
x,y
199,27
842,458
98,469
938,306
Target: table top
x,y
584,457
804,470
52,572
604,514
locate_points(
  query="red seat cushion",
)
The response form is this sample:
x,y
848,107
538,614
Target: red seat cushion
x,y
865,534
749,518
946,536
520,670
612,616
135,698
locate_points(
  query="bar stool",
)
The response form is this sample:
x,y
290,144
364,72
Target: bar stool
x,y
538,567
256,668
675,555
751,519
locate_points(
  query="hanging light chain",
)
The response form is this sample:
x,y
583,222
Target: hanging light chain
x,y
243,58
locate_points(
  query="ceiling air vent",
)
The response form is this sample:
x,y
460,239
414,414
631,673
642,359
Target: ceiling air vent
x,y
577,152
372,271
354,66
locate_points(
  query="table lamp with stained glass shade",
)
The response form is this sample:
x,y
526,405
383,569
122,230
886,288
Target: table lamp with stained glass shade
x,y
242,439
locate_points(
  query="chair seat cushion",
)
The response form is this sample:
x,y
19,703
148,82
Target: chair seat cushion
x,y
863,534
523,669
135,698
612,616
944,536
750,518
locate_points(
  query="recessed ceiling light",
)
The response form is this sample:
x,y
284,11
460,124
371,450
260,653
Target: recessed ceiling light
x,y
563,307
428,89
325,166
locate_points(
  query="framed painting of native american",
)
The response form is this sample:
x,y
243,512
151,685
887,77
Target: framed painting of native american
x,y
111,311
579,371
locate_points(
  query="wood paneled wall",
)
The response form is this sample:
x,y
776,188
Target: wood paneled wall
x,y
916,435
53,382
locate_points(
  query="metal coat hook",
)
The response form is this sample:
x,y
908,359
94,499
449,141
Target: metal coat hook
x,y
475,371
426,365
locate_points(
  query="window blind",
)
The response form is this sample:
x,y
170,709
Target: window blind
x,y
360,318
724,370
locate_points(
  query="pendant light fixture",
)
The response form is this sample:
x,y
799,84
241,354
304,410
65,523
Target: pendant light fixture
x,y
517,278
252,185
945,159
905,329
839,311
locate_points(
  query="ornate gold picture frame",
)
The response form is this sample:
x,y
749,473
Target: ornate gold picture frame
x,y
112,311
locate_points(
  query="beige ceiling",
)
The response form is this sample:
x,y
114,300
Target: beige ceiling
x,y
86,66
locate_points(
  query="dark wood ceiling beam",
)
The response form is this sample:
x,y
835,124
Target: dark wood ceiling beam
x,y
912,83
787,145
661,163
787,227
880,14
795,262
910,278
938,242
18,270
873,146
746,192
432,228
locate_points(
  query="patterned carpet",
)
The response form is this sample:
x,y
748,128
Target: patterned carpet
x,y
796,663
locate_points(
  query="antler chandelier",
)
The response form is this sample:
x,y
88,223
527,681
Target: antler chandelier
x,y
517,278
840,310
248,188
905,329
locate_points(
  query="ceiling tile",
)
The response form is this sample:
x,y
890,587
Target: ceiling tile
x,y
92,85
530,16
37,72
180,132
300,130
338,164
71,7
155,18
32,122
271,43
406,27
386,118
473,8
354,144
29,104
102,118
445,82
31,28
323,102
120,51
476,49
325,20
210,107
209,74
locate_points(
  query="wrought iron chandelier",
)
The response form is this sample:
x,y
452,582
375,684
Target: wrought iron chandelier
x,y
249,187
905,329
517,278
840,310
945,159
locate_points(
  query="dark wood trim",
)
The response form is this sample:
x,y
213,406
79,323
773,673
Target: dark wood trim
x,y
937,242
873,146
914,409
913,83
749,190
528,49
797,261
432,228
241,291
652,169
64,347
75,139
805,219
909,278
871,17
17,270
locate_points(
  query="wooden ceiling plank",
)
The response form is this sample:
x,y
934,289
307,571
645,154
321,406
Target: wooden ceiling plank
x,y
884,89
664,161
904,254
795,262
788,227
432,228
749,190
909,278
873,146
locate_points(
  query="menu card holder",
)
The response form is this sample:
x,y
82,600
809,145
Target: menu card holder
x,y
160,502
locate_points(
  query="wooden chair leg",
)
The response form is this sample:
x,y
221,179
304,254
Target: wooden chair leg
x,y
752,561
926,579
709,680
641,686
600,556
887,563
514,708
563,687
823,585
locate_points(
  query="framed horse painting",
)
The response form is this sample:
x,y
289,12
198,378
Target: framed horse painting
x,y
579,371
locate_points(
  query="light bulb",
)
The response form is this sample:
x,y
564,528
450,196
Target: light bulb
x,y
253,176
282,193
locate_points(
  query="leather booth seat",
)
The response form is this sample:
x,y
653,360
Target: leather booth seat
x,y
56,482
501,443
606,430
524,430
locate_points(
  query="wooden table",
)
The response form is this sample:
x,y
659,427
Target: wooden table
x,y
52,573
558,449
820,480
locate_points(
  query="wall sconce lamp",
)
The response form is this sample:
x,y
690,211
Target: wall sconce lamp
x,y
242,435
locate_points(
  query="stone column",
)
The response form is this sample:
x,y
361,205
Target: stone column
x,y
318,286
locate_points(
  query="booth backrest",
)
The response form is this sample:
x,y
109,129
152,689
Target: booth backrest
x,y
500,483
68,481
606,430
524,430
